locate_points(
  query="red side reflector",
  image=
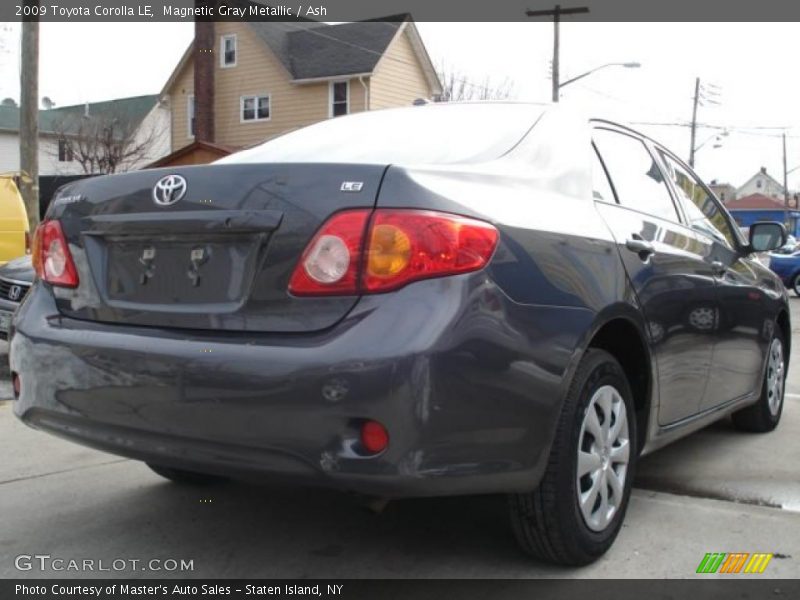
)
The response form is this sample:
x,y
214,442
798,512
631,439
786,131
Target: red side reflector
x,y
374,437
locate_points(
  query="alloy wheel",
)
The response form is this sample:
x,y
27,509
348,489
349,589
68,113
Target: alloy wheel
x,y
603,456
775,377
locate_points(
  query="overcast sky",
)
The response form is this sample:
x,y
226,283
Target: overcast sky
x,y
748,62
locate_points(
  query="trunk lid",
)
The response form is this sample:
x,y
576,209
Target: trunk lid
x,y
219,257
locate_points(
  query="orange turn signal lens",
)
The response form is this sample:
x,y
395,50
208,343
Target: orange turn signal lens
x,y
389,251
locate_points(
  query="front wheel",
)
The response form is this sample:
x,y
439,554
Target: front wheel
x,y
577,511
796,284
764,415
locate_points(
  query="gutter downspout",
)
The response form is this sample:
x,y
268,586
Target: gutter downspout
x,y
366,91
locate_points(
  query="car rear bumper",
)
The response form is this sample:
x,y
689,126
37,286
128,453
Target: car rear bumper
x,y
470,404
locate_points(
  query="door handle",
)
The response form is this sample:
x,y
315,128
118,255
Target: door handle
x,y
718,268
641,247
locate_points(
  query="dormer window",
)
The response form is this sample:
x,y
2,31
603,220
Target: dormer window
x,y
227,55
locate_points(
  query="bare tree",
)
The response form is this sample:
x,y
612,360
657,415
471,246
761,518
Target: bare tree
x,y
458,87
106,143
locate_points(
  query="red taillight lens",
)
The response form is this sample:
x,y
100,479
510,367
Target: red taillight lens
x,y
331,262
374,437
408,245
51,257
400,246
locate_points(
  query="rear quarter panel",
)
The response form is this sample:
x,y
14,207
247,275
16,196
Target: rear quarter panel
x,y
554,280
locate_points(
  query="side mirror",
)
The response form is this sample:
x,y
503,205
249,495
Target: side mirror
x,y
766,236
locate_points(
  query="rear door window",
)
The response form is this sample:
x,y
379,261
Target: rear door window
x,y
637,179
601,188
702,210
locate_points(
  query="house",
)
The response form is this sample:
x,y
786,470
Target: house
x,y
758,207
724,191
196,153
144,118
240,83
762,183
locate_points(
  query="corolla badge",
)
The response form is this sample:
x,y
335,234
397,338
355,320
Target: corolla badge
x,y
168,190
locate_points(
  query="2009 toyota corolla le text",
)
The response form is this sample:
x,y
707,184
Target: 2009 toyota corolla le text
x,y
441,299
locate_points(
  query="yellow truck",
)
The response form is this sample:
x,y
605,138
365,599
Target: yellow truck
x,y
14,232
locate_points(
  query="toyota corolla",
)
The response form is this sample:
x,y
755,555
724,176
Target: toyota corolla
x,y
433,300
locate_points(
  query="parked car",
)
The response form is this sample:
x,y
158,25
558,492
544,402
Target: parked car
x,y
433,300
787,267
16,278
790,247
14,231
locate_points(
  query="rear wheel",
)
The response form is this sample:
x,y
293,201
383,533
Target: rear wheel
x,y
796,284
577,511
764,415
186,477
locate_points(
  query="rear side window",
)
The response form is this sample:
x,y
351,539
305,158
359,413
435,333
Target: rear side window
x,y
601,188
701,209
638,181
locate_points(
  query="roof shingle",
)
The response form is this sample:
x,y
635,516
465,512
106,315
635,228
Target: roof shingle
x,y
312,50
754,202
56,120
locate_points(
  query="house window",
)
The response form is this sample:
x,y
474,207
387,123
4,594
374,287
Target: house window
x,y
64,151
190,116
227,55
340,98
255,108
758,183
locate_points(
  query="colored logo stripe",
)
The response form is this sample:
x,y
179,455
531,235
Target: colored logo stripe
x,y
733,562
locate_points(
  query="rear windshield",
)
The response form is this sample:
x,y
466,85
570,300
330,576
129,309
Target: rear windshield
x,y
431,134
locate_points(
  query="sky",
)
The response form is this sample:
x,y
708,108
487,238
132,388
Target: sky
x,y
744,63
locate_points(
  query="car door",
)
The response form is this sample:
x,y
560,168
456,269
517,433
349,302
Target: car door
x,y
744,319
668,265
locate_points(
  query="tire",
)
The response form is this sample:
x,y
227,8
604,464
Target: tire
x,y
796,284
549,522
764,415
186,477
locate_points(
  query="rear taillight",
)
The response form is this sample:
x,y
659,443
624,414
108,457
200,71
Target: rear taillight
x,y
331,261
348,256
408,245
51,257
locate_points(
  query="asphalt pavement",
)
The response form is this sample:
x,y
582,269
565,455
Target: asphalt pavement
x,y
716,491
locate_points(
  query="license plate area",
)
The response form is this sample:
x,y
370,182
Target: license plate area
x,y
182,270
5,321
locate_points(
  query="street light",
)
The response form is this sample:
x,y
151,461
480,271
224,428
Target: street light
x,y
627,65
717,138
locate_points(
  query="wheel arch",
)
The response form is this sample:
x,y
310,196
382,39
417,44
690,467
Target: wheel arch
x,y
625,339
786,329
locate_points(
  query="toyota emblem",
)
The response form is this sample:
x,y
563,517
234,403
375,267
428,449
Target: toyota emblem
x,y
168,190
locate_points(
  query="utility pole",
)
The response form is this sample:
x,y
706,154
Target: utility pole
x,y
556,13
694,120
29,120
785,185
